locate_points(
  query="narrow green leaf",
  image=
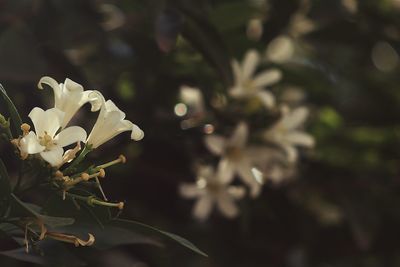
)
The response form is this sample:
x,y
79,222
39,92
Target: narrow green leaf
x,y
27,209
208,41
137,226
12,111
5,187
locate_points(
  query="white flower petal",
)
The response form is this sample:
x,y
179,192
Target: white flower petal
x,y
267,98
291,152
95,99
237,192
137,133
300,138
237,72
239,136
46,121
110,123
52,83
244,170
267,78
237,91
203,207
72,86
71,135
190,190
250,62
280,49
30,144
215,143
295,118
227,205
226,171
53,156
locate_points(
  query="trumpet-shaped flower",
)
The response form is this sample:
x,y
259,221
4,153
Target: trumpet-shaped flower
x,y
235,158
210,190
246,86
46,139
286,133
69,97
110,123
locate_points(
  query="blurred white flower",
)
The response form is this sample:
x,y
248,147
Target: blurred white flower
x,y
45,140
280,49
114,18
292,96
110,123
271,164
246,86
210,190
70,97
235,158
286,133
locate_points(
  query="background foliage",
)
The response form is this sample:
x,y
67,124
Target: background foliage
x,y
341,211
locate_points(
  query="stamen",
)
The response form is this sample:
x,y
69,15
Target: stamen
x,y
25,128
121,159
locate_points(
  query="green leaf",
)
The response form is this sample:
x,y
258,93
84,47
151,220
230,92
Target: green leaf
x,y
205,38
12,111
23,209
5,188
137,226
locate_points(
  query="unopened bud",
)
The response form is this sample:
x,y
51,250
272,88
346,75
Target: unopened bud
x,y
3,122
102,173
85,176
122,158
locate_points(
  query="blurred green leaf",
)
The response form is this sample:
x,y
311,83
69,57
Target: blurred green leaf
x,y
221,12
22,209
205,37
137,226
5,188
12,111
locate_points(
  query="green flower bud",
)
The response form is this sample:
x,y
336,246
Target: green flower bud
x,y
3,122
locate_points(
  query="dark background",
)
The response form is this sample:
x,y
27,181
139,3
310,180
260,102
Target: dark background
x,y
353,170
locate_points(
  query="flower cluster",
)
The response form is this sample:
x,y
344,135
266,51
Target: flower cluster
x,y
255,156
51,133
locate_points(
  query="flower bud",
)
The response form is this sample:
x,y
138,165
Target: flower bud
x,y
3,122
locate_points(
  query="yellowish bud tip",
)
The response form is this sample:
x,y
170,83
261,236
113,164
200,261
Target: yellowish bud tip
x,y
59,174
122,158
102,173
25,128
85,176
121,205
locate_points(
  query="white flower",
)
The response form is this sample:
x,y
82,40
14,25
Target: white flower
x,y
70,97
235,157
246,86
110,123
46,140
286,133
210,190
280,50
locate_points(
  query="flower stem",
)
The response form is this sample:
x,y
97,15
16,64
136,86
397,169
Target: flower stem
x,y
78,160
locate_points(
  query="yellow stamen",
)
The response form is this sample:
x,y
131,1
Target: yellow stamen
x,y
25,128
